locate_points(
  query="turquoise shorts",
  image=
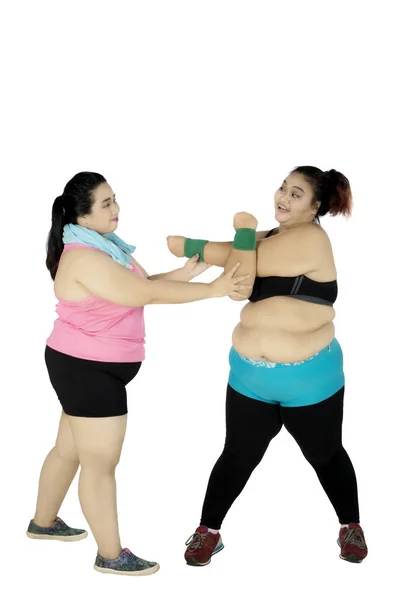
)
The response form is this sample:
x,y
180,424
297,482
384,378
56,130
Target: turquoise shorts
x,y
289,384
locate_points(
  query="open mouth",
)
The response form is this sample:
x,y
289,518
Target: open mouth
x,y
282,208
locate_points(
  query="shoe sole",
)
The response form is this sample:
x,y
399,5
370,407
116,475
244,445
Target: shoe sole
x,y
145,572
193,563
57,538
352,558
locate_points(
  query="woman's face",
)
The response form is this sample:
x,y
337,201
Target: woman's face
x,y
293,201
103,217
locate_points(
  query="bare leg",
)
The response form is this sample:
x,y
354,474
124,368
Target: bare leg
x,y
99,443
58,472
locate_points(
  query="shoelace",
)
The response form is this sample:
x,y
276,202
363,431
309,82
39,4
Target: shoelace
x,y
354,536
195,541
59,524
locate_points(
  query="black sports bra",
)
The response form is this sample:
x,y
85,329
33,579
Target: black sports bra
x,y
300,287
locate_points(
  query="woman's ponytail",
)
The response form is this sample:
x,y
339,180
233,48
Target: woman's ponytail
x,y
55,244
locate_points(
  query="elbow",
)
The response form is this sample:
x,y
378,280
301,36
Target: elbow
x,y
243,298
145,295
176,245
149,294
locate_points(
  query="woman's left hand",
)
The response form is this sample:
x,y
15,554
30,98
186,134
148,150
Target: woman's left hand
x,y
244,219
192,268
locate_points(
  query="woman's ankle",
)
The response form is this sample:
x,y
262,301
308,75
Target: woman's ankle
x,y
109,553
41,521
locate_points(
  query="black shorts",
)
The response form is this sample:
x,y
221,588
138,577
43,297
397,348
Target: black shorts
x,y
89,388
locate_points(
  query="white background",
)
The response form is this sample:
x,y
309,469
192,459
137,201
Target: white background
x,y
192,111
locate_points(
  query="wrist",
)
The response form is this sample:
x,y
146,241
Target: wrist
x,y
212,288
245,239
180,275
193,247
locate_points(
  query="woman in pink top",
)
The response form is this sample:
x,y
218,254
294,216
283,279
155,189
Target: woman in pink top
x,y
95,349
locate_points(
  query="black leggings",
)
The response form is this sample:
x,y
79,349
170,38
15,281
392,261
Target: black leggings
x,y
252,424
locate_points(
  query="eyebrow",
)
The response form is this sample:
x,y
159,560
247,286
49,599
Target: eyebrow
x,y
295,186
108,199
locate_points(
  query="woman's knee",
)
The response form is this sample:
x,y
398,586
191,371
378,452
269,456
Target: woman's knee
x,y
66,451
241,457
99,461
99,442
65,446
323,456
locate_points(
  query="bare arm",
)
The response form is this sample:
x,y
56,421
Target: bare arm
x,y
215,253
301,250
175,275
105,278
246,258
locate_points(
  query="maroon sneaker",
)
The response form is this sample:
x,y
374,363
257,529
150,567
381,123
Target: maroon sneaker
x,y
352,543
202,545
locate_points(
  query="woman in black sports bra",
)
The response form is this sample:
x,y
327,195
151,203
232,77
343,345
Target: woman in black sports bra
x,y
286,364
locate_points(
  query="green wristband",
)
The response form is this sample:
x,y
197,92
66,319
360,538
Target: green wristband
x,y
245,239
193,247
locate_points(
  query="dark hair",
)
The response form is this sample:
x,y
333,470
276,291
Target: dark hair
x,y
75,201
331,188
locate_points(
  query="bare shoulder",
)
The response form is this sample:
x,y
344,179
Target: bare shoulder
x,y
310,234
312,231
313,239
92,272
303,249
316,242
85,257
83,264
318,237
72,269
305,231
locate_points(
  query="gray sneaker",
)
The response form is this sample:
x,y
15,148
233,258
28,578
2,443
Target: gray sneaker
x,y
126,564
59,531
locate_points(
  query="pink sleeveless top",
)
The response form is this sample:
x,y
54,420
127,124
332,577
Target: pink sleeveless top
x,y
97,329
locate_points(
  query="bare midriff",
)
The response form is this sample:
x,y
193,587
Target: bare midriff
x,y
283,330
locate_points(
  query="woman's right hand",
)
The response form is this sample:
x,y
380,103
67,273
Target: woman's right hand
x,y
228,285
